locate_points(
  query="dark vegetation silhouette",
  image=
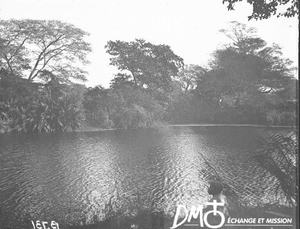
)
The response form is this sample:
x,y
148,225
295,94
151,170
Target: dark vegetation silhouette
x,y
266,9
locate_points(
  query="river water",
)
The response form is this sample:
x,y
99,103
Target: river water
x,y
74,176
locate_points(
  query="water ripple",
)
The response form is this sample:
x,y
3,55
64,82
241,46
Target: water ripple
x,y
75,177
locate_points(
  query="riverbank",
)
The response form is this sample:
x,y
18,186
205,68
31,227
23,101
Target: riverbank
x,y
91,129
162,125
241,125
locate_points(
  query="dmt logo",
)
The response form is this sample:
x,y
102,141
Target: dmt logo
x,y
203,218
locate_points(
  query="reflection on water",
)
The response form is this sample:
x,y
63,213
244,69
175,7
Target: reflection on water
x,y
74,176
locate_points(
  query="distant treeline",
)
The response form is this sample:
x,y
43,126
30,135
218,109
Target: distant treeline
x,y
245,82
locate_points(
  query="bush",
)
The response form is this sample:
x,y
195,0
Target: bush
x,y
33,107
121,107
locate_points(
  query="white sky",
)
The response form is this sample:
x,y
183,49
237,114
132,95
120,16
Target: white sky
x,y
189,27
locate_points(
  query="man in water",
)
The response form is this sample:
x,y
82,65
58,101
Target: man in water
x,y
215,189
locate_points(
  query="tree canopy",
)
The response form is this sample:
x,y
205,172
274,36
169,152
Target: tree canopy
x,y
265,9
38,60
247,75
189,75
144,64
30,47
248,64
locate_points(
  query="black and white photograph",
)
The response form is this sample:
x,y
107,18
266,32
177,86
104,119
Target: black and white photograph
x,y
139,114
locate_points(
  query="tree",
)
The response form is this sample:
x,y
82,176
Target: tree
x,y
145,64
246,75
189,75
265,9
29,47
261,67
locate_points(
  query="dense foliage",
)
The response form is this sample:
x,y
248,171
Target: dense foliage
x,y
246,81
36,107
147,65
265,9
38,60
121,107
